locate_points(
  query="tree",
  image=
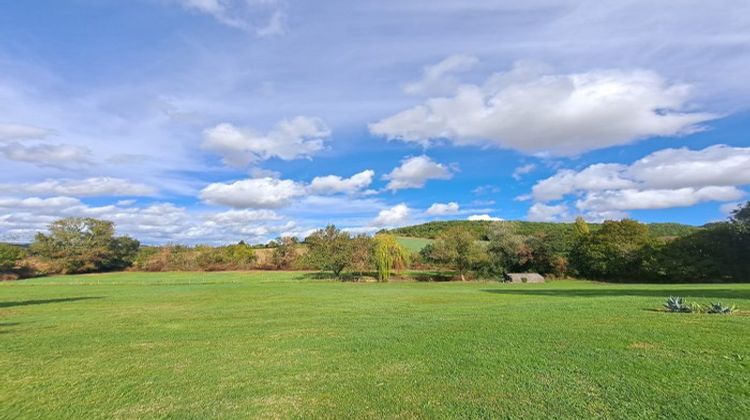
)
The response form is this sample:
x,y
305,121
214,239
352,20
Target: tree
x,y
361,254
330,249
9,256
511,252
612,252
284,252
388,255
456,249
581,228
83,245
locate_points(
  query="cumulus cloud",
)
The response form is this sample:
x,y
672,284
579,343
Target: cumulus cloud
x,y
299,137
483,217
155,223
10,131
62,156
630,199
394,216
551,114
439,79
522,170
333,184
414,172
664,179
243,216
540,212
37,202
89,187
441,209
259,193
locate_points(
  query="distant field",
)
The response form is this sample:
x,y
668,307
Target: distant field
x,y
413,244
275,344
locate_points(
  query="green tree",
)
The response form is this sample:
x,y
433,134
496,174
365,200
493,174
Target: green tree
x,y
330,249
83,245
284,252
361,254
9,256
456,249
388,255
612,252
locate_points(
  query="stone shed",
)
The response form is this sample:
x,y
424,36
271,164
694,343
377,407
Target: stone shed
x,y
524,278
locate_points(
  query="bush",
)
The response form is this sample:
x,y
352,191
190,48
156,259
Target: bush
x,y
9,256
81,245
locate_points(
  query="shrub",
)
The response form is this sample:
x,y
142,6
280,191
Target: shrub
x,y
9,256
285,252
80,245
718,308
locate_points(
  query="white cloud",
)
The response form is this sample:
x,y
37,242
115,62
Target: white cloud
x,y
37,202
243,216
300,137
486,189
522,170
395,216
550,114
483,217
601,176
728,208
22,132
439,79
630,199
156,223
414,172
664,179
89,187
333,184
717,165
247,15
260,193
540,212
63,156
440,209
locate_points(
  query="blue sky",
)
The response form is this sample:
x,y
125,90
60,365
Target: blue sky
x,y
211,121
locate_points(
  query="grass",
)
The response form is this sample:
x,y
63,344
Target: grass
x,y
197,345
413,244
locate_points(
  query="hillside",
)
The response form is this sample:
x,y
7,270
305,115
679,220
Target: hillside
x,y
430,230
414,237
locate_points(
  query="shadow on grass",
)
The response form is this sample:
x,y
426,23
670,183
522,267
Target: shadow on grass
x,y
621,292
371,276
11,304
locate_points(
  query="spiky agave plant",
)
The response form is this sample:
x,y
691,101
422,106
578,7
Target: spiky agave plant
x,y
676,304
718,308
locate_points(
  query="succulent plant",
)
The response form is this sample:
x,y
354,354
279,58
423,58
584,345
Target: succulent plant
x,y
676,304
718,308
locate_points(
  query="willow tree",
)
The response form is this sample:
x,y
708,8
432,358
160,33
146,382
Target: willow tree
x,y
388,255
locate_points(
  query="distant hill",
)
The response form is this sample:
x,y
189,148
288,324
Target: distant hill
x,y
559,235
481,229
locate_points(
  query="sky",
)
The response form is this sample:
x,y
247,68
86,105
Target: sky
x,y
214,121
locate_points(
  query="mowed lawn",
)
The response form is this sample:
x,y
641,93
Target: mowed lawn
x,y
197,345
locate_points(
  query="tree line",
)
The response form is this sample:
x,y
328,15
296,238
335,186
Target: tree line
x,y
620,251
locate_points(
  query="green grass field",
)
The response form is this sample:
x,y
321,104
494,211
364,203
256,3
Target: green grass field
x,y
197,345
413,244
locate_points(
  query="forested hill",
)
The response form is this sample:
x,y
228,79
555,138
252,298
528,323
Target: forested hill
x,y
430,230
